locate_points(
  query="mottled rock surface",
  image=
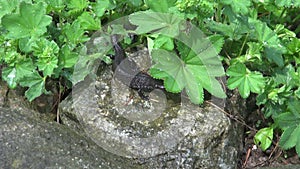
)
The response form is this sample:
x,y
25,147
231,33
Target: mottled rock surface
x,y
28,140
166,132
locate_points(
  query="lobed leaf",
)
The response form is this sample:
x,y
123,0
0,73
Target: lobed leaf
x,y
148,21
264,138
244,80
30,22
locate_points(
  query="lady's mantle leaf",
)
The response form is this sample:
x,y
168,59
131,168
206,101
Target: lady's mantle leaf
x,y
291,138
245,80
178,74
31,21
153,21
36,85
264,138
7,6
290,123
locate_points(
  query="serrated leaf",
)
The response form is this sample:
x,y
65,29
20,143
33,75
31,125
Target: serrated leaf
x,y
87,22
148,21
275,55
31,21
244,80
36,85
294,107
7,6
56,5
287,3
47,65
204,52
238,6
25,44
9,74
264,138
178,75
294,46
254,51
217,41
45,48
67,58
24,68
164,42
162,6
136,3
74,33
101,6
287,119
290,137
263,33
76,6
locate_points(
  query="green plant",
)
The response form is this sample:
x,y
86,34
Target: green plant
x,y
266,62
41,40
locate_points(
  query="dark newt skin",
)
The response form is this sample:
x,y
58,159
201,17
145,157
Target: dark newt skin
x,y
128,72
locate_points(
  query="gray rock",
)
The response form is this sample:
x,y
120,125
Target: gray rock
x,y
160,133
29,140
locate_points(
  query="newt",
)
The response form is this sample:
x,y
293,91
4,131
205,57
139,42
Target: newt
x,y
129,73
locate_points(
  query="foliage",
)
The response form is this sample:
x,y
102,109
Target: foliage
x,y
264,138
262,55
258,42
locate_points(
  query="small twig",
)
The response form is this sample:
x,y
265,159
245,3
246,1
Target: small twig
x,y
58,101
231,116
247,157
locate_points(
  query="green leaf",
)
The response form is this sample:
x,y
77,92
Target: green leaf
x,y
24,68
238,6
264,138
10,76
45,48
88,22
76,6
287,3
74,33
263,33
25,44
148,21
136,3
290,138
244,80
31,21
275,55
56,5
161,6
294,107
47,65
178,74
217,41
36,85
101,6
290,123
294,46
253,52
7,6
67,58
164,42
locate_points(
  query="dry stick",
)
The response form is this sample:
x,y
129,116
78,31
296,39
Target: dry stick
x,y
59,97
231,116
247,157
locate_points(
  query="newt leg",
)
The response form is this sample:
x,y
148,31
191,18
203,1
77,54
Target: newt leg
x,y
142,94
